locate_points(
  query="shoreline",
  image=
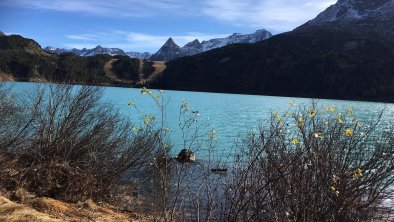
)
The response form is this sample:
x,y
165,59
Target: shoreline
x,y
137,86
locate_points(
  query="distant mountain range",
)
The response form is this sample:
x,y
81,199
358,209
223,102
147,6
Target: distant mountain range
x,y
97,51
170,50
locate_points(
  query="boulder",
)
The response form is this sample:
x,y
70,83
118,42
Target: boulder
x,y
186,155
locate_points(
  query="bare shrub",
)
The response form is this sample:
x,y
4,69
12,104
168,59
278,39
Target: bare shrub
x,y
312,164
14,121
78,146
185,191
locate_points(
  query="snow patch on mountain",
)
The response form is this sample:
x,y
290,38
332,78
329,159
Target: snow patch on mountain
x,y
139,55
355,10
259,35
192,48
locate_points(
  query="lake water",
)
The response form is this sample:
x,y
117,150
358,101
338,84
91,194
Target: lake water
x,y
230,116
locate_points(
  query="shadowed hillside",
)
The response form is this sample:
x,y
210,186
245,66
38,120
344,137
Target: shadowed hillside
x,y
25,60
346,52
318,62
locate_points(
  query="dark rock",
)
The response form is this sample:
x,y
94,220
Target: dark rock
x,y
186,155
219,170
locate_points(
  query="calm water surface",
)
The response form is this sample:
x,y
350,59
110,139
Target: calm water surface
x,y
229,115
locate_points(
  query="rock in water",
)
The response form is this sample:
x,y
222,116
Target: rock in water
x,y
186,155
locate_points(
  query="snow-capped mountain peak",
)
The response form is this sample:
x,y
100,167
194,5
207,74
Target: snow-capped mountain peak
x,y
259,35
170,50
98,50
192,48
170,44
55,50
353,10
372,16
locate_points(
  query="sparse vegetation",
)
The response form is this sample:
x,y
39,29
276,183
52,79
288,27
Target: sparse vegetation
x,y
312,164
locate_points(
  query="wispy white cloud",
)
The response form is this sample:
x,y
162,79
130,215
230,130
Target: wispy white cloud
x,y
11,33
132,8
80,45
87,37
276,15
133,41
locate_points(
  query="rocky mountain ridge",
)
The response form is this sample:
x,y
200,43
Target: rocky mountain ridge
x,y
170,50
352,10
358,15
97,51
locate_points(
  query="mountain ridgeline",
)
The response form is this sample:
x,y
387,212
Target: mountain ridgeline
x,y
24,60
347,52
170,50
98,50
357,15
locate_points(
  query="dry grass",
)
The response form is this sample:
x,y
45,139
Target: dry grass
x,y
6,77
111,75
159,66
11,211
23,206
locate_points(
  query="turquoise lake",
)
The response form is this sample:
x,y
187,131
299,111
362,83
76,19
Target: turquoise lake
x,y
229,116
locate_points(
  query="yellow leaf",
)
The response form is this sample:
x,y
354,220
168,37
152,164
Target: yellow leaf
x,y
294,141
349,132
312,113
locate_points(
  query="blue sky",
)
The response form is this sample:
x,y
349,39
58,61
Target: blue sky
x,y
144,25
